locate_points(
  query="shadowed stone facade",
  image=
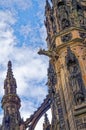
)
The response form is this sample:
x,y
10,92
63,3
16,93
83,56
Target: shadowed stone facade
x,y
66,39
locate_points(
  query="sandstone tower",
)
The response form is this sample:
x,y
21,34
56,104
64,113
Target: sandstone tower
x,y
66,39
11,103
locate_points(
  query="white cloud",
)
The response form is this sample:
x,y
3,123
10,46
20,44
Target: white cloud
x,y
1,116
6,18
20,4
25,30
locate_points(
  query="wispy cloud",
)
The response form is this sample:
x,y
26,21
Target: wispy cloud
x,y
19,4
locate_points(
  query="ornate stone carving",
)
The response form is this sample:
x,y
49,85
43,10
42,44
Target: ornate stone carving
x,y
65,23
75,77
52,77
63,19
62,10
58,116
81,123
50,53
66,38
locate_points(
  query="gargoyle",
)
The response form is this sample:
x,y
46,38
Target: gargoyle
x,y
49,53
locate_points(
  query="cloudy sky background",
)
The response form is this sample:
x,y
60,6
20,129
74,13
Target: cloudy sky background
x,y
22,33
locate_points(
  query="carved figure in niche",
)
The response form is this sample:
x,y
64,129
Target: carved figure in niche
x,y
75,81
74,17
63,18
75,77
62,10
65,23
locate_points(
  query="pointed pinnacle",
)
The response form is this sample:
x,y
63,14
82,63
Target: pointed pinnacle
x,y
9,64
9,72
48,4
46,119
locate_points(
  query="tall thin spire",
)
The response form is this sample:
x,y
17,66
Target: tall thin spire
x,y
10,82
11,103
47,7
46,119
47,3
46,124
9,72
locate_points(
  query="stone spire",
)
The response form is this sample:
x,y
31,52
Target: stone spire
x,y
46,125
10,82
47,5
9,72
47,10
11,102
46,119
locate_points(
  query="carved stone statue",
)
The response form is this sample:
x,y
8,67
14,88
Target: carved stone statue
x,y
76,83
75,77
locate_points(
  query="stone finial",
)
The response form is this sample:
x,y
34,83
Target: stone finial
x,y
47,3
46,124
47,7
46,119
10,80
9,71
9,64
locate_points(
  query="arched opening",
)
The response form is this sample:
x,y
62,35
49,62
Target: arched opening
x,y
60,3
80,15
79,7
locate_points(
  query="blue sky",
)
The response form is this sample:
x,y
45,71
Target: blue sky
x,y
22,33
